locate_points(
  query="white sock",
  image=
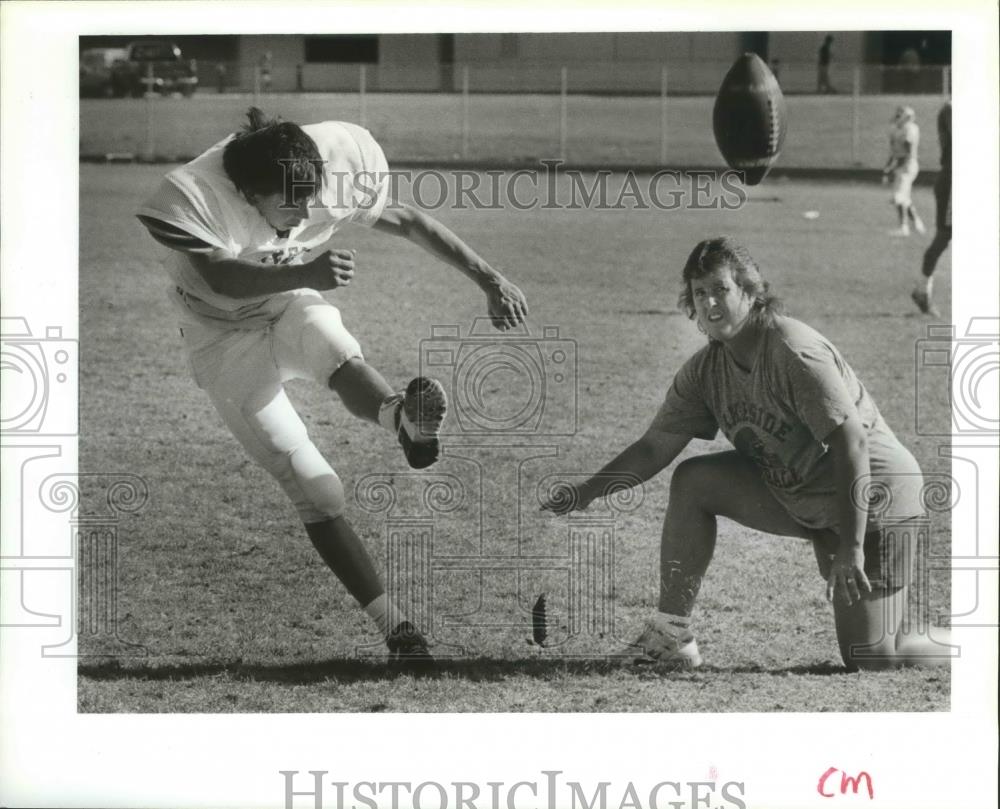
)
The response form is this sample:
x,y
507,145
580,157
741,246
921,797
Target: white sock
x,y
385,613
387,411
928,284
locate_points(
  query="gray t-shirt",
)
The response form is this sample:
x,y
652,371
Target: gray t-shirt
x,y
779,414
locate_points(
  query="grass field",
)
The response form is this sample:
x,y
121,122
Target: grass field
x,y
219,583
600,129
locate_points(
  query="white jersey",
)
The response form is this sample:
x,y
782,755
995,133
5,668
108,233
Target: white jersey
x,y
904,140
199,200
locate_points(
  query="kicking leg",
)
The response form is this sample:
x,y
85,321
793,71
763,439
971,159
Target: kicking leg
x,y
361,388
311,342
414,416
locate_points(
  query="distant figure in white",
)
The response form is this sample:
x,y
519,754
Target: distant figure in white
x,y
902,169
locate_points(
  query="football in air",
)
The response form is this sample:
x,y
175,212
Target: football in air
x,y
749,118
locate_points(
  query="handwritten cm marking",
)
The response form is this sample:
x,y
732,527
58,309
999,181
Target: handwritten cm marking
x,y
846,782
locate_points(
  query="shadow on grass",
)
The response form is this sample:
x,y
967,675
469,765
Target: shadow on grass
x,y
475,670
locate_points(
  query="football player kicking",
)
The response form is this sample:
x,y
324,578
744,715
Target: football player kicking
x,y
810,445
902,169
248,223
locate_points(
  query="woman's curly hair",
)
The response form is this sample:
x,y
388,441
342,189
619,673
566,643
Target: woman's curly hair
x,y
724,251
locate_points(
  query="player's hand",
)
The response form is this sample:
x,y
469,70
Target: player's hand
x,y
506,304
564,498
847,580
332,269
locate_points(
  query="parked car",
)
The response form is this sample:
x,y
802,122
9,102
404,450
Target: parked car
x,y
95,70
171,72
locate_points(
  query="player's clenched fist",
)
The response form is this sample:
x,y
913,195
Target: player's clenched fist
x,y
332,269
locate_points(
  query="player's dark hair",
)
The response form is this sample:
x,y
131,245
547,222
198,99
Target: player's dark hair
x,y
725,252
259,155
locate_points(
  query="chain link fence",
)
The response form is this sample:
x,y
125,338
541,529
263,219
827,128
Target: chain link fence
x,y
614,114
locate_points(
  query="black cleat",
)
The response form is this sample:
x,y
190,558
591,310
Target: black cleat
x,y
419,419
407,645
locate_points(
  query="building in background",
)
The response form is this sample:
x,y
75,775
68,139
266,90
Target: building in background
x,y
603,62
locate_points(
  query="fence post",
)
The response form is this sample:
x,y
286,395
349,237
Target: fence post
x,y
856,118
256,85
150,140
663,114
465,111
362,112
562,113
946,81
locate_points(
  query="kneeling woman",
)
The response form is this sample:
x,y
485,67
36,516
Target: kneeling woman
x,y
810,446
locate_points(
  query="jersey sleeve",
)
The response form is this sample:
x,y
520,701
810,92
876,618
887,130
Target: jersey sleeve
x,y
684,410
817,388
372,182
185,214
174,237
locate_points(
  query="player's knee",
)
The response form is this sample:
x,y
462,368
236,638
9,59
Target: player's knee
x,y
322,499
689,481
329,498
867,652
320,491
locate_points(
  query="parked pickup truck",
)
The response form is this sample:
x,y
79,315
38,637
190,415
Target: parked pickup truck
x,y
171,73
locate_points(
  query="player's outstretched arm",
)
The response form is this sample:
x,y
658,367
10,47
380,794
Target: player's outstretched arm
x,y
637,463
234,278
506,303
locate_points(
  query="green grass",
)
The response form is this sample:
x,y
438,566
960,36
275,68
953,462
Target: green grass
x,y
219,583
600,129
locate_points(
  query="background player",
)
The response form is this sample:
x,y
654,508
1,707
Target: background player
x,y
923,291
824,59
806,434
903,167
249,224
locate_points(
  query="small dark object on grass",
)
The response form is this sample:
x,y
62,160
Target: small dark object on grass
x,y
539,629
